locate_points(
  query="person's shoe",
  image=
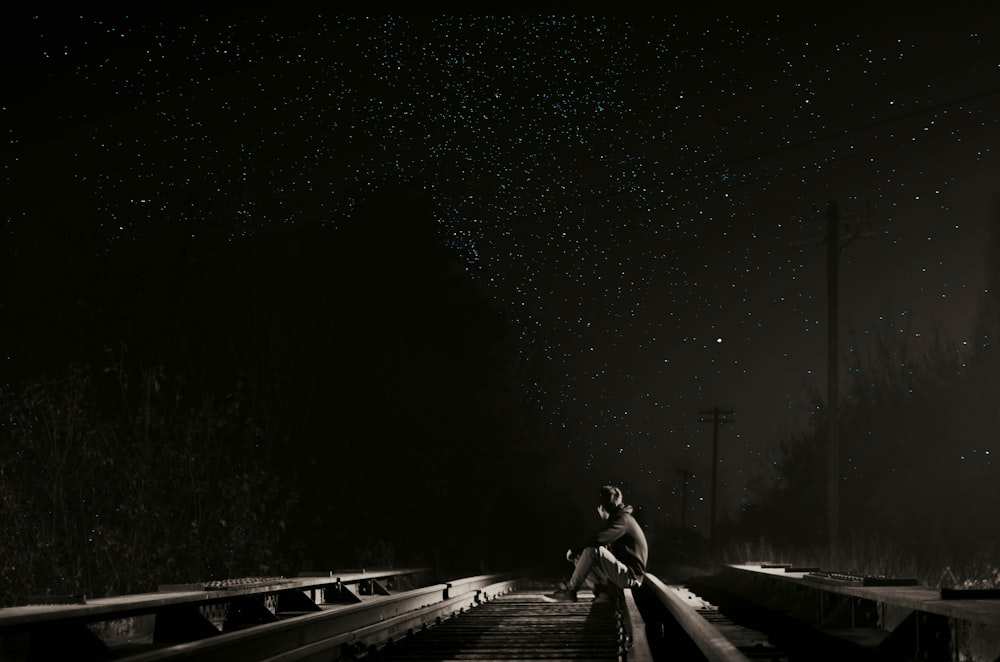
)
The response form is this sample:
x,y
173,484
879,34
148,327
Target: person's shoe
x,y
561,595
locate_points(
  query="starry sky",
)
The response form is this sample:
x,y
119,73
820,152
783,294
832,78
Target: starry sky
x,y
645,196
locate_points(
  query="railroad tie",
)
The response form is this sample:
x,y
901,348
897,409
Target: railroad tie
x,y
519,626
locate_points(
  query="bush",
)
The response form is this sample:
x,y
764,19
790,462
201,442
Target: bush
x,y
114,481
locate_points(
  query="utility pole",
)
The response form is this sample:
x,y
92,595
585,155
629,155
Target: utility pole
x,y
836,241
832,378
685,474
719,417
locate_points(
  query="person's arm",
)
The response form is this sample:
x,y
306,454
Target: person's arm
x,y
612,530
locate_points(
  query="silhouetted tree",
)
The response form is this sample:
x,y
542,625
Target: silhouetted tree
x,y
374,374
918,419
114,480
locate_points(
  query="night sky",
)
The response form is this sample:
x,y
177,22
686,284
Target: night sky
x,y
640,194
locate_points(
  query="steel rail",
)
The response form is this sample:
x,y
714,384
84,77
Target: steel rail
x,y
97,630
12,618
373,635
712,644
337,632
276,621
638,649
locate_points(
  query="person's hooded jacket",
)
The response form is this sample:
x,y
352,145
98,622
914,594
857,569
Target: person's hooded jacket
x,y
624,537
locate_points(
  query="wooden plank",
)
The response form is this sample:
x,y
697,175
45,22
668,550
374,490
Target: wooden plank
x,y
917,598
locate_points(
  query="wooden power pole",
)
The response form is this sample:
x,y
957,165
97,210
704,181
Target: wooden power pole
x,y
836,241
718,417
685,474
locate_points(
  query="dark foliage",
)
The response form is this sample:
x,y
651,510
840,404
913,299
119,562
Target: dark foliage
x,y
918,423
342,396
113,481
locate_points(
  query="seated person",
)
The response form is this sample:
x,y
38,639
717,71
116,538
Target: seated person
x,y
615,556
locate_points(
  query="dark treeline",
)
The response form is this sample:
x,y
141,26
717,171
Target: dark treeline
x,y
919,454
182,406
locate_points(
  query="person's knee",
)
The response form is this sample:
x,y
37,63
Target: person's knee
x,y
605,554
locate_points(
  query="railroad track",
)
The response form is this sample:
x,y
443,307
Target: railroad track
x,y
748,612
521,625
349,617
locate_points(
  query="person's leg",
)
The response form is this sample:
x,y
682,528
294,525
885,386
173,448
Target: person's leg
x,y
599,577
600,567
611,577
608,570
582,569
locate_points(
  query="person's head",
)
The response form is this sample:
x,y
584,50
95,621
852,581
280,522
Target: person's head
x,y
610,500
